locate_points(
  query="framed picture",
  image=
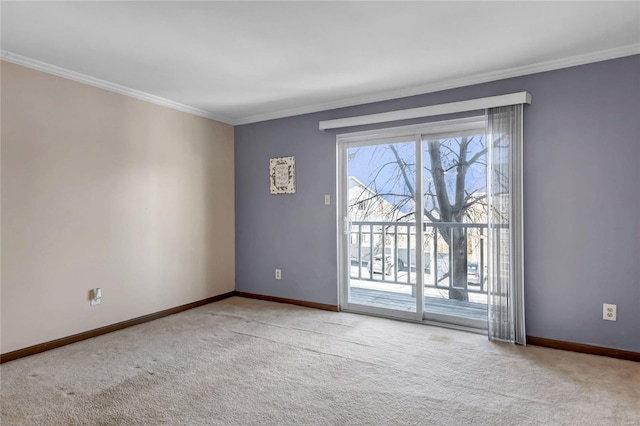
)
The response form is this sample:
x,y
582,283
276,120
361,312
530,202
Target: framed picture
x,y
282,172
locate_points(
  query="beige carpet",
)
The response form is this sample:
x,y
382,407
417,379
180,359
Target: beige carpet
x,y
247,362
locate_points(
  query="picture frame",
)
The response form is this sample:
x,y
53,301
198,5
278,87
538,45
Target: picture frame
x,y
282,171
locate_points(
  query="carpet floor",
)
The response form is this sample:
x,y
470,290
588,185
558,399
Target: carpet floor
x,y
249,362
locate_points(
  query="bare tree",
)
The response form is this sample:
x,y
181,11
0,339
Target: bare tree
x,y
454,210
456,171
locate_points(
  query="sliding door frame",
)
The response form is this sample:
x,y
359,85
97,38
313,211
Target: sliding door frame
x,y
344,142
415,134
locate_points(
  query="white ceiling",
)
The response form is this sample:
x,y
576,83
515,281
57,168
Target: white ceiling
x,y
242,62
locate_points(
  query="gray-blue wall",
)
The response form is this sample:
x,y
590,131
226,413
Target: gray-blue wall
x,y
582,201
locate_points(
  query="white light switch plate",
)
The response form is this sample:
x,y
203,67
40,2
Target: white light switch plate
x,y
327,199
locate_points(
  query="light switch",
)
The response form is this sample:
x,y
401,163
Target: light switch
x,y
327,199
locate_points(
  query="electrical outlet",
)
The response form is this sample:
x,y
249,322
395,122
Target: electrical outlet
x,y
278,274
609,312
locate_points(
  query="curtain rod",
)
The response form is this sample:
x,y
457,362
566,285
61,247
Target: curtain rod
x,y
429,111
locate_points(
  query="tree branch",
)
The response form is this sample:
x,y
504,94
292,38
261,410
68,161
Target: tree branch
x,y
437,175
475,158
403,170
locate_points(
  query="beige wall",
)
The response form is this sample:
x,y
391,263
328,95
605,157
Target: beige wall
x,y
103,190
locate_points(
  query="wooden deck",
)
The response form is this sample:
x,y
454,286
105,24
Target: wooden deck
x,y
405,302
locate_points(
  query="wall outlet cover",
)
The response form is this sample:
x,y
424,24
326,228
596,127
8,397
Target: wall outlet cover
x,y
609,312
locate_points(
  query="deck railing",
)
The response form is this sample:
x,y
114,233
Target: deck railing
x,y
385,252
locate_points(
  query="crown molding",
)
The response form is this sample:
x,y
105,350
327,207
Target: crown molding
x,y
106,85
567,62
539,67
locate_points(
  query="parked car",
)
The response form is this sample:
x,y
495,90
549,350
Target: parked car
x,y
389,266
473,274
403,261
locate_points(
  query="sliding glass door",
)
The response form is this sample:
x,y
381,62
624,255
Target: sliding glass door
x,y
425,266
455,208
379,226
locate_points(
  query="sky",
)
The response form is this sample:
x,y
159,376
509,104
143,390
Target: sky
x,y
377,167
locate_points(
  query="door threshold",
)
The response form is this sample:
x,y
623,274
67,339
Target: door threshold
x,y
434,323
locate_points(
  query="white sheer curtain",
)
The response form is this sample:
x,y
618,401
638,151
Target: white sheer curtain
x,y
506,253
